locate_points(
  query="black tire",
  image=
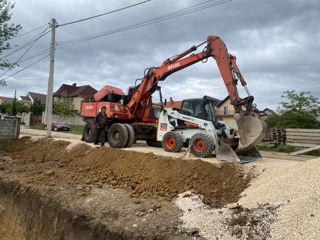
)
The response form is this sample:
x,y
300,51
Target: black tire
x,y
131,135
154,143
118,135
202,145
172,142
89,132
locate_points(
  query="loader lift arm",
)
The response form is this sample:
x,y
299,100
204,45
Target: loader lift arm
x,y
140,102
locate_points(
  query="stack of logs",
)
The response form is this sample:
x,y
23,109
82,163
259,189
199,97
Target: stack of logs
x,y
276,136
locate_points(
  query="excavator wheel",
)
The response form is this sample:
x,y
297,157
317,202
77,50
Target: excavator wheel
x,y
202,145
172,142
131,136
118,135
89,132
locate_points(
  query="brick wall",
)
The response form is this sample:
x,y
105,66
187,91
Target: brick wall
x,y
9,129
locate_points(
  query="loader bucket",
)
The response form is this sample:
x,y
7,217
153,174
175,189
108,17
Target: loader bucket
x,y
252,131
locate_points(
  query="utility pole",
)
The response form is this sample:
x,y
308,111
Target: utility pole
x,y
50,80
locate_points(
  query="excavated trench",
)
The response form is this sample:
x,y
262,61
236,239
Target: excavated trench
x,y
49,190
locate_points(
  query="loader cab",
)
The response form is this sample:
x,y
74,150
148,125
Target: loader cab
x,y
203,108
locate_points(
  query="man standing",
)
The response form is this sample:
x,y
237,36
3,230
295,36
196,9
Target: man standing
x,y
101,124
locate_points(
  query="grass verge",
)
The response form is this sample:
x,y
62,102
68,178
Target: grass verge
x,y
287,149
73,128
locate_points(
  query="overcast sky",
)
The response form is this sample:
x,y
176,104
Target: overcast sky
x,y
276,42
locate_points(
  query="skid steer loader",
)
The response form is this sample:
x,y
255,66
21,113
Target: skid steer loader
x,y
196,125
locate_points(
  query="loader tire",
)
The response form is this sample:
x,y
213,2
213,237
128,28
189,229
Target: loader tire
x,y
89,132
118,135
154,143
172,142
131,135
202,145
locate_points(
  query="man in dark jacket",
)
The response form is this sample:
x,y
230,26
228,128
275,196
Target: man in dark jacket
x,y
101,124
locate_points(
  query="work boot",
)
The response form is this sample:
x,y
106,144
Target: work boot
x,y
95,143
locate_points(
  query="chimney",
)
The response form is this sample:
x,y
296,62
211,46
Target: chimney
x,y
74,84
171,100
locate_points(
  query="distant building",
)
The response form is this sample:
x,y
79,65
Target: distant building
x,y
31,96
6,100
173,104
225,111
75,93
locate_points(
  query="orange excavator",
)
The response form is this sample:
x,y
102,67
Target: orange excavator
x,y
133,117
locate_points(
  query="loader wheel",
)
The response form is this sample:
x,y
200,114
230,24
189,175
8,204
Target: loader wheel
x,y
131,136
202,145
118,135
172,142
154,143
89,132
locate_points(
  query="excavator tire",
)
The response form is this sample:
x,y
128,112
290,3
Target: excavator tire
x,y
89,132
118,135
154,143
202,145
172,142
131,136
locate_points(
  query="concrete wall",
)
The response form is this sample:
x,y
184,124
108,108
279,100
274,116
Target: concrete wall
x,y
25,117
9,129
68,119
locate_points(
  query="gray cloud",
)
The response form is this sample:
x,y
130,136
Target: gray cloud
x,y
276,44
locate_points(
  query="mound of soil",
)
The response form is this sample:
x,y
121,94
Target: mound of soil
x,y
141,174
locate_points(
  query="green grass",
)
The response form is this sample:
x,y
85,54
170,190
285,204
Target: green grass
x,y
315,153
278,148
39,126
287,149
73,129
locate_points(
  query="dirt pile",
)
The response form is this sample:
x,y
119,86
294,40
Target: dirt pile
x,y
141,174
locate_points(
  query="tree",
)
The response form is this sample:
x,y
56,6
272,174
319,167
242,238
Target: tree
x,y
302,102
300,110
37,107
7,32
63,105
21,107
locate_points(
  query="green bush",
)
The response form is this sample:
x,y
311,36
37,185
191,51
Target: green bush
x,y
293,119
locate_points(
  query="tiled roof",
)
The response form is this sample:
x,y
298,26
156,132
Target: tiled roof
x,y
25,98
6,99
75,91
39,96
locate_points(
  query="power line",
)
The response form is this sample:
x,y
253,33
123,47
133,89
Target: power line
x,y
99,15
26,44
36,55
25,52
33,30
30,65
174,14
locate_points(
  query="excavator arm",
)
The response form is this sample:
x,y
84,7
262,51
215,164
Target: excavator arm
x,y
215,48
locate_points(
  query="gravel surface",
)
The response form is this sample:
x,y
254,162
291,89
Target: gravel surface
x,y
297,187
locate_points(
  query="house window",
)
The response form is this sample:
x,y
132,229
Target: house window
x,y
221,119
225,110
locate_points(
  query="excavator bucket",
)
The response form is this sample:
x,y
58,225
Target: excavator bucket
x,y
252,131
